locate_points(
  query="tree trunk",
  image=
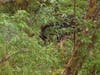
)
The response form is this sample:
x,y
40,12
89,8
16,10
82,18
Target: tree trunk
x,y
91,9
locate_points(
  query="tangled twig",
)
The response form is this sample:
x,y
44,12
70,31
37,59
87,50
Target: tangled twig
x,y
8,56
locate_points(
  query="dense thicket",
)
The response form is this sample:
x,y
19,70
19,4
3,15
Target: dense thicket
x,y
49,37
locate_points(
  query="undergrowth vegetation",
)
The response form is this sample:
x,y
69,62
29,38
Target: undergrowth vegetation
x,y
23,52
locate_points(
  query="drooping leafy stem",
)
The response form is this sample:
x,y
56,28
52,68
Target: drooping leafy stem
x,y
74,36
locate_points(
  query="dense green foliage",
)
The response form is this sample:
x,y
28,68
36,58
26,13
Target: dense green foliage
x,y
29,55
